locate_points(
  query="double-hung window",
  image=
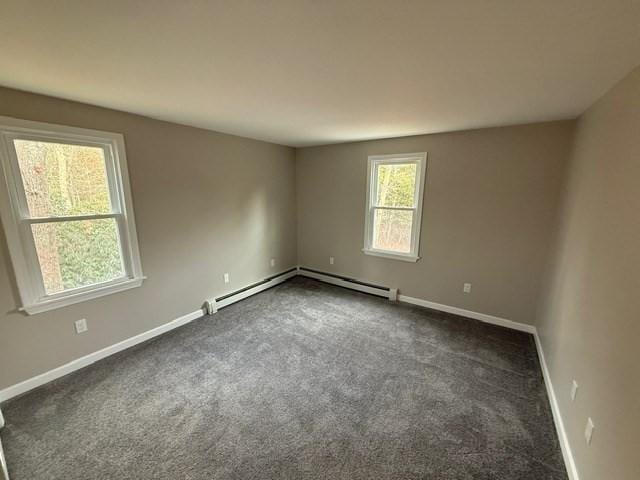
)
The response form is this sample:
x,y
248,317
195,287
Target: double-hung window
x,y
394,205
67,213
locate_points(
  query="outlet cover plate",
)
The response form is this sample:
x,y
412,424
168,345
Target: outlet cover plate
x,y
81,325
574,390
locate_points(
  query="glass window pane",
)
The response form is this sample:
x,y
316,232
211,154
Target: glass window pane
x,y
63,180
78,253
396,185
392,230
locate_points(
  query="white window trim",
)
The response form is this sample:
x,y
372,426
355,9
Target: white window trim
x,y
14,211
420,159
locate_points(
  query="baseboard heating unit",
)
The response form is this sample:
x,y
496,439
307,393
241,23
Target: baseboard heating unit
x,y
211,306
351,283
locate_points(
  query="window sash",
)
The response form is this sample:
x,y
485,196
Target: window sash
x,y
32,254
108,155
402,209
399,161
70,218
17,220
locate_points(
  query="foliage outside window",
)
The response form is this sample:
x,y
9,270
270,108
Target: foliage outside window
x,y
68,216
394,205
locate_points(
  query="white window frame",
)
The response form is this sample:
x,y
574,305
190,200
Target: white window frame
x,y
420,159
17,221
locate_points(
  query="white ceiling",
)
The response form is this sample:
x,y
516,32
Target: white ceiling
x,y
309,72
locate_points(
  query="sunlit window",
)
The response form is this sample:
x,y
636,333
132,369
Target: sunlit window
x,y
71,226
394,205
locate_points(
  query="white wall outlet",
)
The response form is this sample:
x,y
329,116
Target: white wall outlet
x,y
272,262
574,390
81,325
331,260
466,288
226,278
588,431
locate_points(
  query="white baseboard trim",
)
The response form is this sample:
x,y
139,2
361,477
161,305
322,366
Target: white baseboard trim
x,y
483,317
3,465
380,292
72,366
81,362
567,454
257,289
393,295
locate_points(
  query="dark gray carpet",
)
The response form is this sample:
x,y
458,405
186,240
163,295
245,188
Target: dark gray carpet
x,y
302,381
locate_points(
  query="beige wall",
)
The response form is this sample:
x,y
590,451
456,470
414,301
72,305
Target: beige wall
x,y
590,323
205,204
489,207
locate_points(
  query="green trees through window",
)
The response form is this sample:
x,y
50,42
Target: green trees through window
x,y
64,180
395,187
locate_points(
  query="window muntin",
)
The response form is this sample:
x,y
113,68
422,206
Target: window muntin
x,y
68,214
394,205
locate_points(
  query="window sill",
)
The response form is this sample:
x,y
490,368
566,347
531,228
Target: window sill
x,y
51,304
394,256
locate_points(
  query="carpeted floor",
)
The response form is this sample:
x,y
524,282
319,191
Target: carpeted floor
x,y
303,381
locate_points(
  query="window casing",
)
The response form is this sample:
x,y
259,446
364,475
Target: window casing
x,y
395,187
101,234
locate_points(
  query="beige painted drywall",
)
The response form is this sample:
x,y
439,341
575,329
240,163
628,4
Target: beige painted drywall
x,y
489,206
205,203
590,322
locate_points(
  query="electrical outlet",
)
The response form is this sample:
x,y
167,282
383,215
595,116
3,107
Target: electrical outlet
x,y
466,288
588,431
331,260
574,390
81,325
273,262
226,278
